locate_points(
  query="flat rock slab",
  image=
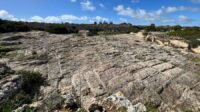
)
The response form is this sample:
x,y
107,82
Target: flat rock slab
x,y
99,66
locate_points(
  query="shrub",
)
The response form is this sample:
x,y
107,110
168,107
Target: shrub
x,y
30,87
151,107
61,29
31,81
152,27
11,26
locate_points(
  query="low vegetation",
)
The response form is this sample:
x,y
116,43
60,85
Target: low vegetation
x,y
122,109
28,93
192,35
8,51
11,26
151,107
196,59
66,28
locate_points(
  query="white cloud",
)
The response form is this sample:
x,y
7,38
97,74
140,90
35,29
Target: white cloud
x,y
171,9
73,0
98,19
184,19
138,13
101,5
179,20
67,18
71,18
58,19
88,5
53,19
181,8
154,15
6,15
123,20
36,19
3,13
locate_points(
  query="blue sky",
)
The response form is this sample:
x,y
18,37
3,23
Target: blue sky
x,y
139,12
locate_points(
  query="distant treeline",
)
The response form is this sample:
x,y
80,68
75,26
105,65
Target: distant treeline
x,y
66,28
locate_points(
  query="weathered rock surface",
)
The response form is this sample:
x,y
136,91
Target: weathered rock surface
x,y
9,84
118,101
179,44
99,66
162,39
196,50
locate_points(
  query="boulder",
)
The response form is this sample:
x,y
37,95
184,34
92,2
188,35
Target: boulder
x,y
179,44
9,86
160,43
4,70
70,101
119,101
150,38
140,34
196,50
52,102
83,33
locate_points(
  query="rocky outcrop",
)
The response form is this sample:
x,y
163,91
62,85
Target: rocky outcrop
x,y
83,33
89,73
160,43
9,84
163,40
4,70
179,44
150,38
196,50
155,36
118,101
140,34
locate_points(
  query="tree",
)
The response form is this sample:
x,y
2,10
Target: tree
x,y
177,27
95,23
111,23
152,27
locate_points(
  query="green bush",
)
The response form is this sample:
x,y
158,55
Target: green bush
x,y
60,29
31,81
151,107
30,89
11,26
